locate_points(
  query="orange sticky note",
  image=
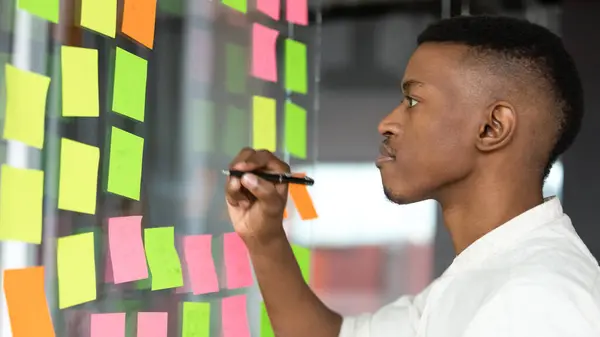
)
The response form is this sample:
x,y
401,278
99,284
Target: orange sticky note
x,y
138,21
285,214
26,302
303,201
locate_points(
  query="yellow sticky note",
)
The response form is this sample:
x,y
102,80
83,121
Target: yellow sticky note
x,y
78,176
76,267
264,123
79,82
100,16
21,196
26,94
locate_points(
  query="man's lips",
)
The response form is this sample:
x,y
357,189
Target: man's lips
x,y
385,154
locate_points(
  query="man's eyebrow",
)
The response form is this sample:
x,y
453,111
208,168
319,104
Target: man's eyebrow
x,y
408,84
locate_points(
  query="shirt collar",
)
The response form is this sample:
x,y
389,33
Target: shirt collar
x,y
506,234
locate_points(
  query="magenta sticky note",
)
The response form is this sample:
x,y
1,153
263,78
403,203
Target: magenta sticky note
x,y
264,57
200,264
238,273
104,325
234,316
297,12
269,7
126,248
152,324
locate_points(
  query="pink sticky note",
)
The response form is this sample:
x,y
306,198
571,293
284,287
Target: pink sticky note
x,y
269,7
104,325
235,319
152,324
264,59
127,249
200,264
297,12
237,262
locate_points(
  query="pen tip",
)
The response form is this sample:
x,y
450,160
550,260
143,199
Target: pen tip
x,y
225,172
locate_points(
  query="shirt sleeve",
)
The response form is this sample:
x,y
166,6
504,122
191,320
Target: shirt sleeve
x,y
398,319
526,310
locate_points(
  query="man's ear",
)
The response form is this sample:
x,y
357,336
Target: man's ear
x,y
497,127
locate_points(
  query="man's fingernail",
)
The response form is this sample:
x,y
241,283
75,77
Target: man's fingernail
x,y
249,180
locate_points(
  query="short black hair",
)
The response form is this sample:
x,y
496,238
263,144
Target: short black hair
x,y
517,39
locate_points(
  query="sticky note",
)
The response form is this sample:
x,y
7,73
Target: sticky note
x,y
237,130
234,316
152,324
111,324
171,6
26,94
200,264
303,201
236,68
21,202
138,21
266,329
264,56
264,123
163,259
269,7
79,68
296,69
295,130
125,164
297,12
238,5
100,16
238,273
196,319
45,9
78,177
202,125
129,87
26,302
76,270
303,258
126,248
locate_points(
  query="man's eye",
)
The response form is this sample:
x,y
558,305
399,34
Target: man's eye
x,y
411,102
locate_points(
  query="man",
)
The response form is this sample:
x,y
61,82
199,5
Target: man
x,y
489,104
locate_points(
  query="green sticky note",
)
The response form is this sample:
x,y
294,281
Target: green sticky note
x,y
78,176
125,163
296,70
45,9
295,130
196,319
264,123
26,94
76,270
162,257
238,5
236,69
266,329
236,134
79,82
303,257
202,125
171,6
21,200
99,16
129,87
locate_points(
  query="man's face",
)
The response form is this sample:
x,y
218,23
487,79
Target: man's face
x,y
429,137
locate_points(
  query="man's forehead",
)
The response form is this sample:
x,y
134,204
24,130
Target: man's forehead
x,y
435,63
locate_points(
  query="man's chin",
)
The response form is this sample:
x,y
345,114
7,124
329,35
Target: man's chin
x,y
399,198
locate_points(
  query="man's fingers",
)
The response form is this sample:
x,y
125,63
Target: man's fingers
x,y
241,157
234,194
264,191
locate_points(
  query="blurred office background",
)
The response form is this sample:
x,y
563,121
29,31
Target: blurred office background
x,y
366,251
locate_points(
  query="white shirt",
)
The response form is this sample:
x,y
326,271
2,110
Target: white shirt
x,y
530,277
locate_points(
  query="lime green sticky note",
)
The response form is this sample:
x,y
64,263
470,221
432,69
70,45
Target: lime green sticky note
x,y
125,163
100,16
78,176
45,9
21,198
295,130
264,123
129,87
236,133
196,319
303,257
162,257
266,329
26,94
202,125
296,70
79,82
76,270
238,5
236,69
